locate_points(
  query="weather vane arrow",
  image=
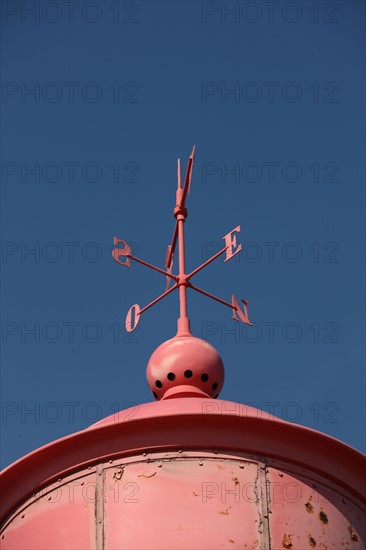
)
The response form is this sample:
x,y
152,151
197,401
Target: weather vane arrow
x,y
182,281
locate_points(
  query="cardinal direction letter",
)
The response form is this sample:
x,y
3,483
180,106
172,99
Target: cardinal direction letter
x,y
118,252
132,318
232,247
238,314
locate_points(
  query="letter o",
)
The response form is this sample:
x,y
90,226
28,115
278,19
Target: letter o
x,y
257,15
257,172
53,246
295,406
285,495
298,332
46,16
291,98
285,252
56,407
53,98
297,10
86,15
258,92
257,336
132,318
86,172
297,169
58,172
97,94
258,252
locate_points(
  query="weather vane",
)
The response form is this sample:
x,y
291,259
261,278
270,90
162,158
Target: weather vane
x,y
182,280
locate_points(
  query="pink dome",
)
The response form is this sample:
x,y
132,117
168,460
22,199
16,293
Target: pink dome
x,y
185,365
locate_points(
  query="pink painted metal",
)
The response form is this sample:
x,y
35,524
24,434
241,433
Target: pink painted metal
x,y
132,318
231,247
243,315
187,472
185,361
182,280
125,252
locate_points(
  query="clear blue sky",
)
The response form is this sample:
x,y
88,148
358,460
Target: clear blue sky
x,y
273,98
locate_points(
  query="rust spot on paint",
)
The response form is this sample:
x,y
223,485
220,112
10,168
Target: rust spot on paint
x,y
352,534
323,517
312,541
286,541
309,507
231,540
225,512
118,474
236,481
195,494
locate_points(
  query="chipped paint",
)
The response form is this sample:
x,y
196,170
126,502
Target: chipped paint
x,y
240,500
147,475
118,474
352,534
287,541
309,507
323,517
312,541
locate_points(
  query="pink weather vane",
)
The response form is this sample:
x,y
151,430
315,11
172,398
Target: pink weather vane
x,y
182,280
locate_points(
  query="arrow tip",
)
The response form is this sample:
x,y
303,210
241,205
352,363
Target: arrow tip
x,y
179,176
190,172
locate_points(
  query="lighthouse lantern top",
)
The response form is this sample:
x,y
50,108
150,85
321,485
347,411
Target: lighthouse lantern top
x,y
184,365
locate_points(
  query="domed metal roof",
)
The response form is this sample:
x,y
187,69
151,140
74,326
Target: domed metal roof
x,y
206,473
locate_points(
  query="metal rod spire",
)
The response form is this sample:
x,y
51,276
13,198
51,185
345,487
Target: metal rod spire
x,y
180,213
158,299
182,280
198,269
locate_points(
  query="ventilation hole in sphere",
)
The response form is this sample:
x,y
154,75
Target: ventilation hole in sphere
x,y
216,396
214,386
158,384
188,374
154,394
204,377
171,376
